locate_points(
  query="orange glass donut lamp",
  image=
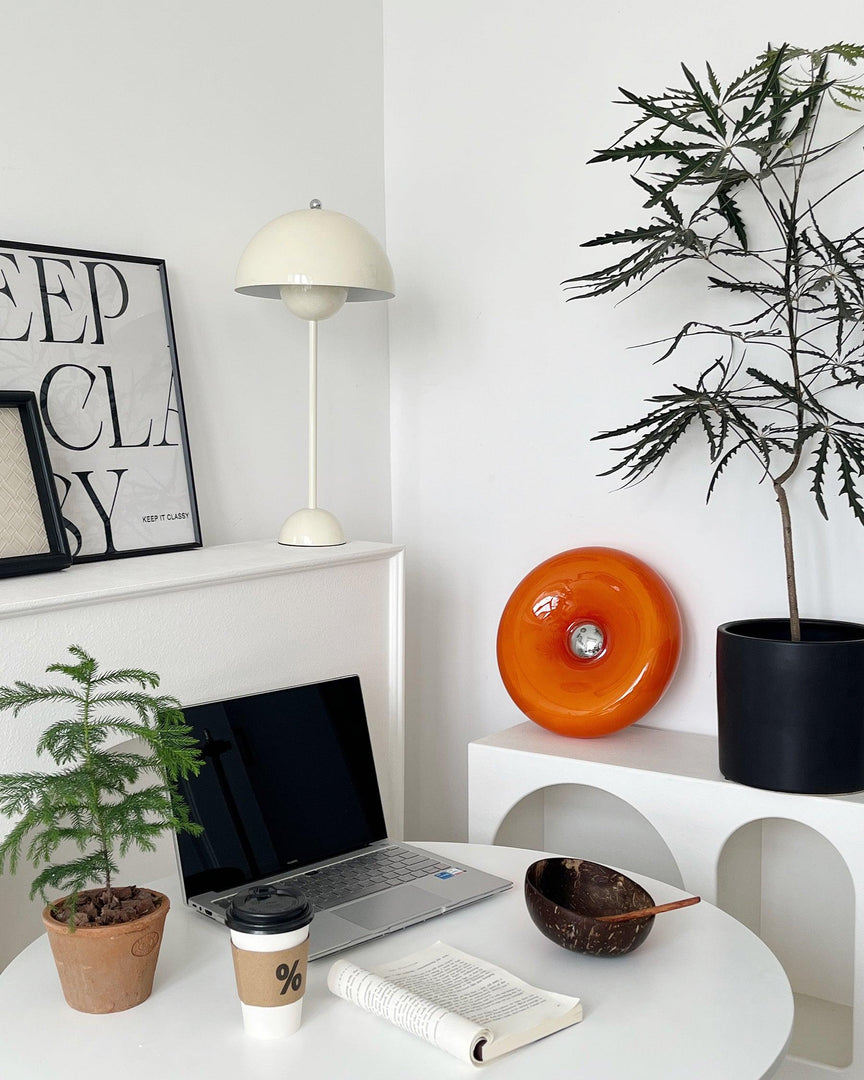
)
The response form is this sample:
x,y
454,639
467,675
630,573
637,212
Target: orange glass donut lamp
x,y
589,641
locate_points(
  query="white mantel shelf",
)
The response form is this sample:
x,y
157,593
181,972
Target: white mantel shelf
x,y
218,623
96,582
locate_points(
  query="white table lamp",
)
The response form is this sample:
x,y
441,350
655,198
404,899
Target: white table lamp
x,y
315,261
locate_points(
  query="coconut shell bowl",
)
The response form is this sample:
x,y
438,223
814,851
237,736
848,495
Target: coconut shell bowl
x,y
570,899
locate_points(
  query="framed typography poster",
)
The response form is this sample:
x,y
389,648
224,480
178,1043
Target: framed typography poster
x,y
91,335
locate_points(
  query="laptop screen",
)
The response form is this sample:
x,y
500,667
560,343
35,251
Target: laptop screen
x,y
288,779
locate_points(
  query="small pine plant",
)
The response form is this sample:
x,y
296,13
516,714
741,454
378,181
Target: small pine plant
x,y
87,802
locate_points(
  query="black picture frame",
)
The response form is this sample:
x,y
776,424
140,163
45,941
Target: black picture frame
x,y
32,535
92,335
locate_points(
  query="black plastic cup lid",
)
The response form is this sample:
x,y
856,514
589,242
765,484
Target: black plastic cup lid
x,y
269,909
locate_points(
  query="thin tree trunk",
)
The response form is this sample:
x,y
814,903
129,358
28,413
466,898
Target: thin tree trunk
x,y
791,587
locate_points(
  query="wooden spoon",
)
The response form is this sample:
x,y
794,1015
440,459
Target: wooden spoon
x,y
625,916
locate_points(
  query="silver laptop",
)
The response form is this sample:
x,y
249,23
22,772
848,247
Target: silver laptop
x,y
289,794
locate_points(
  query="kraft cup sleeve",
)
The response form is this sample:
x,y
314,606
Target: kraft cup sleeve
x,y
270,979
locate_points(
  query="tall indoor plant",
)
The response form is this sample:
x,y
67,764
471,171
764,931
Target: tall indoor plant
x,y
734,178
91,808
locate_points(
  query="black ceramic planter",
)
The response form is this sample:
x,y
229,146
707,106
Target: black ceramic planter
x,y
791,713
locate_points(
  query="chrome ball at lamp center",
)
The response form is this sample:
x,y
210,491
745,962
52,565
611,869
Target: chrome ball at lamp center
x,y
587,641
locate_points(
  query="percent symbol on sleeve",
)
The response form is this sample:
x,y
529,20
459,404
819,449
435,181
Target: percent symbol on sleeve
x,y
290,977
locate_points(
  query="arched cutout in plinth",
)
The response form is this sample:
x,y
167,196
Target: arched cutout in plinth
x,y
792,887
587,822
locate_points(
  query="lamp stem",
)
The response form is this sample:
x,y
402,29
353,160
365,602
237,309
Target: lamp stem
x,y
313,414
312,526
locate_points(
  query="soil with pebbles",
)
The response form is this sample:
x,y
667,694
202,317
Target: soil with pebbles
x,y
108,907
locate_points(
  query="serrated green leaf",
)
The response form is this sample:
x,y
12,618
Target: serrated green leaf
x,y
767,89
670,117
654,148
850,468
628,236
820,459
712,81
729,210
709,108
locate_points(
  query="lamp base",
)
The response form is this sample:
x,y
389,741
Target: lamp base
x,y
311,528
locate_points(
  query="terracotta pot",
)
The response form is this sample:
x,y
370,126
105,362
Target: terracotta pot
x,y
105,969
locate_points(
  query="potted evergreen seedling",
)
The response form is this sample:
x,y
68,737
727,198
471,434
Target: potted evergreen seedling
x,y
737,179
99,803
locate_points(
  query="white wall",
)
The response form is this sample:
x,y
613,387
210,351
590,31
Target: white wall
x,y
491,112
176,130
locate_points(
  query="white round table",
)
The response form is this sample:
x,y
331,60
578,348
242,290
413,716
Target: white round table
x,y
702,997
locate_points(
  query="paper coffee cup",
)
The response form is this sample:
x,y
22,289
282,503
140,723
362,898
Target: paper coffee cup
x,y
270,945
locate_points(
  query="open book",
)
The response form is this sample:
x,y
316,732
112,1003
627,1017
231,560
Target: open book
x,y
464,1005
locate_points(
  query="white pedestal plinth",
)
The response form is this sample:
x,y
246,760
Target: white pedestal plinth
x,y
785,865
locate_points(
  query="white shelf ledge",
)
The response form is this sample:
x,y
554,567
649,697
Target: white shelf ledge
x,y
96,582
640,748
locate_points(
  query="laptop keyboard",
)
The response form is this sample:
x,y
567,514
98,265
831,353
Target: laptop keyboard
x,y
362,876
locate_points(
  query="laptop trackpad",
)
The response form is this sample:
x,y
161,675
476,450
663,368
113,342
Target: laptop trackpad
x,y
328,932
391,908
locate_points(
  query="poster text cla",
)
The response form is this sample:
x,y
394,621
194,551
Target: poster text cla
x,y
91,335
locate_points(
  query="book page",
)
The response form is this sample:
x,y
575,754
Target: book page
x,y
450,994
412,1013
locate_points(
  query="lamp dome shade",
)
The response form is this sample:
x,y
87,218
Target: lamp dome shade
x,y
315,247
